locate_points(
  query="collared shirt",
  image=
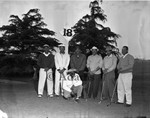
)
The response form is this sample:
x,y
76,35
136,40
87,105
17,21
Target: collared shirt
x,y
69,82
93,62
46,54
62,60
126,63
125,55
109,62
78,63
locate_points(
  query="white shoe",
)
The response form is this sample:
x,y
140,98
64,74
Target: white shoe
x,y
39,96
51,95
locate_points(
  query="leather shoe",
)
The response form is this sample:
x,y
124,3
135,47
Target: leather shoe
x,y
77,100
66,98
119,103
128,105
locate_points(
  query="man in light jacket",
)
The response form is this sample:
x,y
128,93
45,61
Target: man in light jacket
x,y
72,85
62,60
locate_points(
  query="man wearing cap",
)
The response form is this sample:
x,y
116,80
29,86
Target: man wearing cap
x,y
62,60
109,65
45,63
72,85
94,65
125,69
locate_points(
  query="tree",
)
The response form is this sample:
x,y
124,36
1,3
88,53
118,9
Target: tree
x,y
27,34
89,32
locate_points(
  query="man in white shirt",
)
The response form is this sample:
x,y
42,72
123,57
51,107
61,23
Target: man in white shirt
x,y
72,85
94,65
109,66
62,60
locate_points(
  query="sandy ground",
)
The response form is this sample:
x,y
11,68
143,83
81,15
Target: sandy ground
x,y
19,100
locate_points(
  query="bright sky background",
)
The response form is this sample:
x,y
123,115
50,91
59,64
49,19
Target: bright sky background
x,y
130,19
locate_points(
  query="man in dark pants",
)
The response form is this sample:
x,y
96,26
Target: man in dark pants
x,y
78,62
94,65
109,65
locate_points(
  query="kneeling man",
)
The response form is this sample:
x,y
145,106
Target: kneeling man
x,y
72,85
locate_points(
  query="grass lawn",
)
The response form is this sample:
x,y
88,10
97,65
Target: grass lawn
x,y
19,100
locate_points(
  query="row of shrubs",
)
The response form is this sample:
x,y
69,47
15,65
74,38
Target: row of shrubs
x,y
21,65
16,65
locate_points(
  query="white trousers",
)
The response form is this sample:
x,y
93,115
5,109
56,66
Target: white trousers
x,y
125,87
59,82
45,76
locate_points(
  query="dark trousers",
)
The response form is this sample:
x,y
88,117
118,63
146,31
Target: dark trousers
x,y
109,84
85,84
94,85
83,77
81,74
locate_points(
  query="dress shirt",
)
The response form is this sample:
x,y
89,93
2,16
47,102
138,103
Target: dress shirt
x,y
78,62
109,62
62,61
93,62
126,63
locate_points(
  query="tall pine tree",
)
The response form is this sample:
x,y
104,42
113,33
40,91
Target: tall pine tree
x,y
90,32
27,34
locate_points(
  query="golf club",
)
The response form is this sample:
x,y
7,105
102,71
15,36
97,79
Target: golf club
x,y
61,82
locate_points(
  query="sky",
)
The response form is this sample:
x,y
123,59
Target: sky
x,y
130,19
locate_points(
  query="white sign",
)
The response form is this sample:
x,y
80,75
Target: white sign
x,y
67,33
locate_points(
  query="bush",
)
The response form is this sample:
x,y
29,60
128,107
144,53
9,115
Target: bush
x,y
16,65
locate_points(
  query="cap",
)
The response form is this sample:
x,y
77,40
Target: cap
x,y
46,45
71,70
94,48
61,45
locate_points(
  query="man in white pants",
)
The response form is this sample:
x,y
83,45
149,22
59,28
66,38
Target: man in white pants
x,y
72,85
125,68
46,63
62,60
